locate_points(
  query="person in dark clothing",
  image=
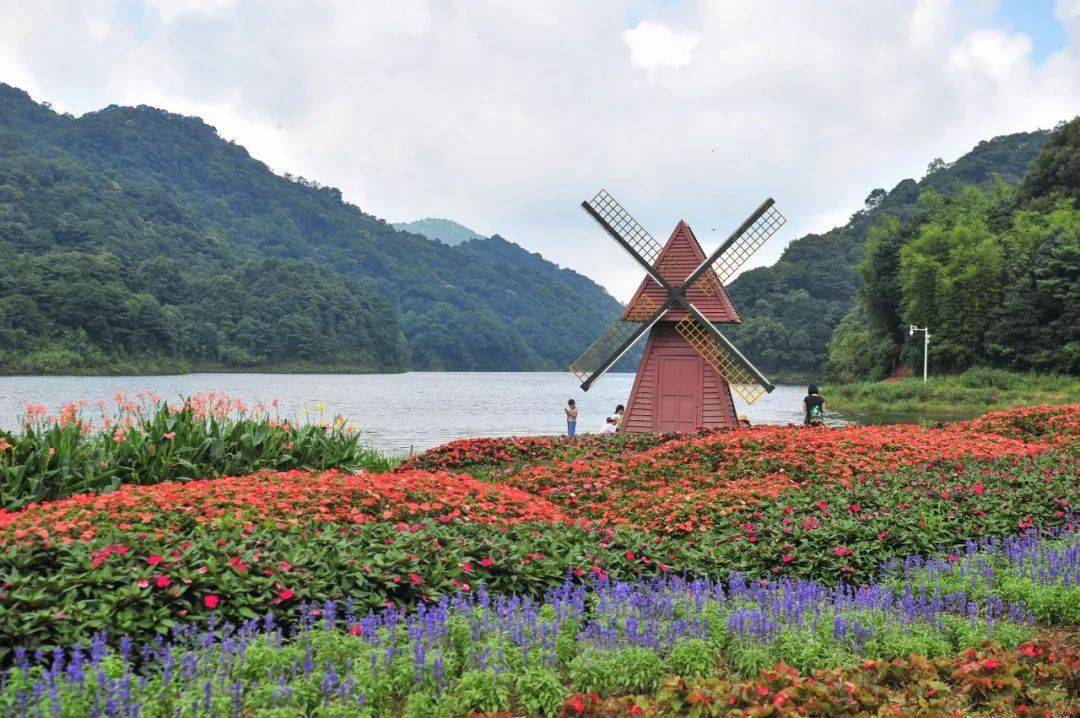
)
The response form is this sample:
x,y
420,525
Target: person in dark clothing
x,y
814,406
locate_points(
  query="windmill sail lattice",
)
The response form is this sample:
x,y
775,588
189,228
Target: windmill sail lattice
x,y
720,359
620,222
745,244
609,341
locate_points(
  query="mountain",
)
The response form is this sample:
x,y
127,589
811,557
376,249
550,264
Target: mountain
x,y
196,255
790,309
445,230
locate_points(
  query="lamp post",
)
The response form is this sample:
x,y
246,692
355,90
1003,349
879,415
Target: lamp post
x,y
925,347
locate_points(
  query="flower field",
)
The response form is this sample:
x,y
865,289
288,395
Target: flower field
x,y
144,440
592,575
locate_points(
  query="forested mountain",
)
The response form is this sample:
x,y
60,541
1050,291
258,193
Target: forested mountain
x,y
994,272
137,239
791,309
445,230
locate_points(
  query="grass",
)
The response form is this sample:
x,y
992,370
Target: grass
x,y
962,395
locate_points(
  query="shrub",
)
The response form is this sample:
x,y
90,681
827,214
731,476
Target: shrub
x,y
692,658
540,691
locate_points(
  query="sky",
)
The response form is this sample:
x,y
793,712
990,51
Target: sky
x,y
505,115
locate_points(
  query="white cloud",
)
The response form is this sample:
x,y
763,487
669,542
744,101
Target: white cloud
x,y
654,46
173,10
990,52
504,116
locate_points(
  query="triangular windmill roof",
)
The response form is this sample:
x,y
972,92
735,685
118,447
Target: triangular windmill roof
x,y
681,255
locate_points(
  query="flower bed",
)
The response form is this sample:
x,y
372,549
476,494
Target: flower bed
x,y
279,499
654,647
691,484
1055,424
147,441
786,503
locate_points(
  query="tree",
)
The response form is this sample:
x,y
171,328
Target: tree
x,y
1055,174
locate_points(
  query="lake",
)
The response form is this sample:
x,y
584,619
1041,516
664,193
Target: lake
x,y
398,413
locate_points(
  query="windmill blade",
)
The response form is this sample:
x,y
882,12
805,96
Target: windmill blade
x,y
737,249
623,228
615,341
743,378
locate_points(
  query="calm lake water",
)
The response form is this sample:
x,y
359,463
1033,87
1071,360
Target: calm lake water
x,y
398,413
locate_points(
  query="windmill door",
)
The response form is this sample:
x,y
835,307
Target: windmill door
x,y
679,393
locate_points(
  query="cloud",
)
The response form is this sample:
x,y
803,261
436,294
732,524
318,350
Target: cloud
x,y
654,46
504,116
173,10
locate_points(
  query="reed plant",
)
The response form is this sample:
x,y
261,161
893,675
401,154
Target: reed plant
x,y
146,441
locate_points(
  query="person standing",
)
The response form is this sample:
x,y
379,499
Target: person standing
x,y
571,418
814,406
619,411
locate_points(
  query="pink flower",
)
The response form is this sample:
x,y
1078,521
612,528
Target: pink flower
x,y
142,583
286,594
162,581
211,601
842,551
171,435
153,559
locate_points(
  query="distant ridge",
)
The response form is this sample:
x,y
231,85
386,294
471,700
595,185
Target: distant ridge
x,y
136,240
446,231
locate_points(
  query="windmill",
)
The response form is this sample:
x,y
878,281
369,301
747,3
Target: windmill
x,y
689,368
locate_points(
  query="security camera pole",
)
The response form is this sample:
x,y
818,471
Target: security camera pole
x,y
925,347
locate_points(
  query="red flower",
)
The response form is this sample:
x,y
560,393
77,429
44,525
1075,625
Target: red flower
x,y
415,578
787,558
842,551
630,555
486,562
286,594
162,581
211,601
978,489
153,559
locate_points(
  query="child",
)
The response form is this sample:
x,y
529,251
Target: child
x,y
571,418
611,427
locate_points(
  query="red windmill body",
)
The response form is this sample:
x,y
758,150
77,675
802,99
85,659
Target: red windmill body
x,y
689,368
675,388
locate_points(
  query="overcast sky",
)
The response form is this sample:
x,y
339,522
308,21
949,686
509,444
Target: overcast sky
x,y
505,115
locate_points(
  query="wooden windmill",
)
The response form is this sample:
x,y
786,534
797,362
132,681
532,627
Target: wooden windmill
x,y
689,368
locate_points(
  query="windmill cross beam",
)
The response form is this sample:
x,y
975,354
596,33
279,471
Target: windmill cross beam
x,y
689,369
677,294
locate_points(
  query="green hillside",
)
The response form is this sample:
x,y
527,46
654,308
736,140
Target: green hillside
x,y
197,255
993,271
791,308
445,230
